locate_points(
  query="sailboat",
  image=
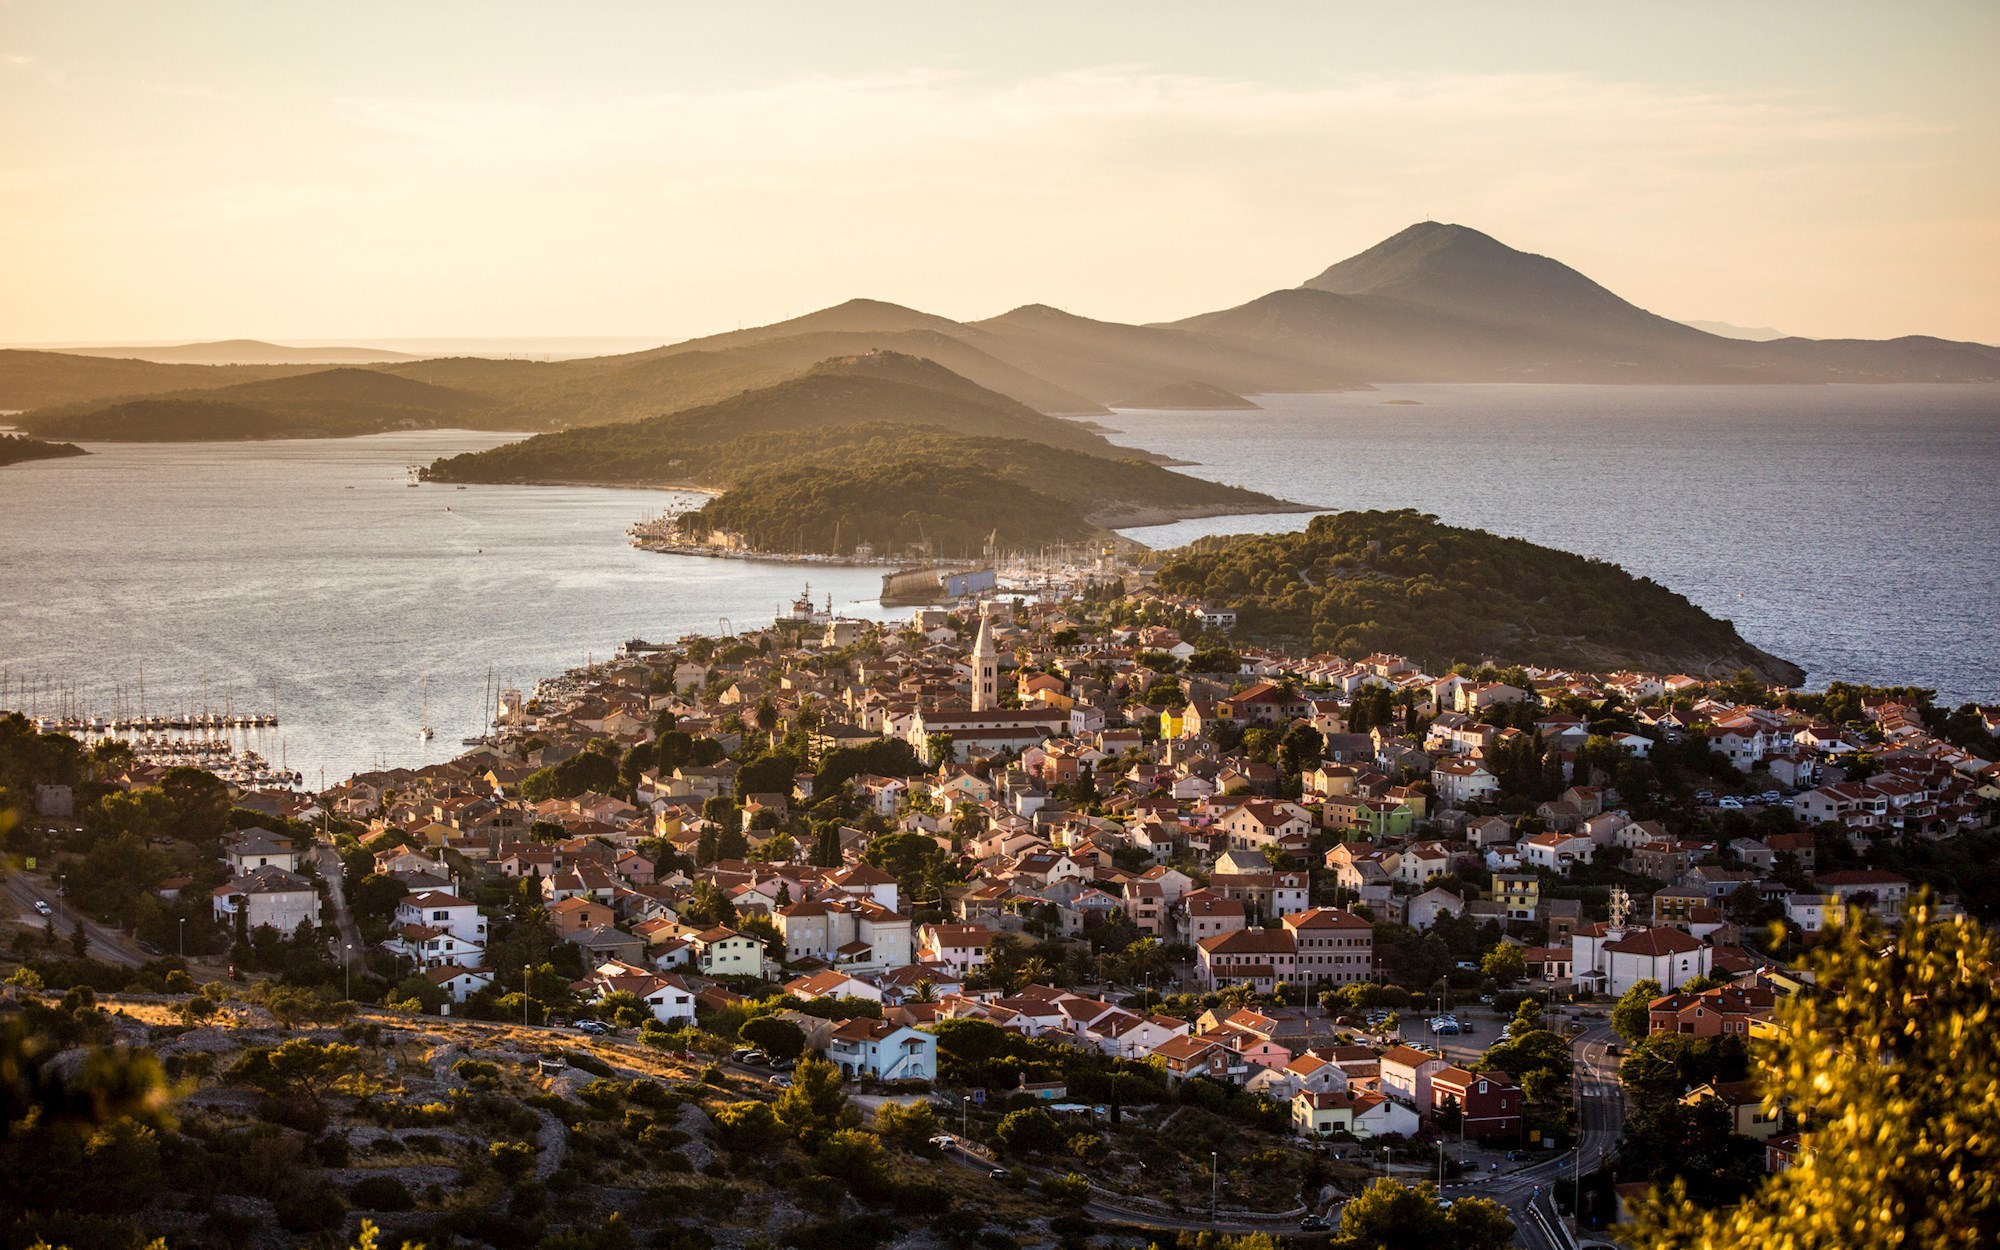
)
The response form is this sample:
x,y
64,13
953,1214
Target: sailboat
x,y
424,731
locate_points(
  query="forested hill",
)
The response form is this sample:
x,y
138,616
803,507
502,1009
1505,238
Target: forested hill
x,y
1359,582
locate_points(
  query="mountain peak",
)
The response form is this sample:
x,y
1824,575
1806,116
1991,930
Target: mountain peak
x,y
1460,270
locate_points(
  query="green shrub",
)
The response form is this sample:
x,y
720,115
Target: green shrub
x,y
381,1193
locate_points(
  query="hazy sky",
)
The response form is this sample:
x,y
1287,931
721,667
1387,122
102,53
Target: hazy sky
x,y
295,170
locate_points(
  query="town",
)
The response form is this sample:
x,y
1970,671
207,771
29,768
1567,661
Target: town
x,y
1505,931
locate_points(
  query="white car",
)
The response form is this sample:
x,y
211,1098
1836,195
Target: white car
x,y
1729,803
43,908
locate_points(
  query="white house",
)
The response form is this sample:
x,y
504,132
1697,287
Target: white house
x,y
441,909
1558,852
883,1051
268,898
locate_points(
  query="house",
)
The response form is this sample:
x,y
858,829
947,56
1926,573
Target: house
x,y
1746,1107
267,898
1259,957
883,1051
1423,911
1614,960
723,952
1723,1010
827,983
1558,852
248,849
1459,782
1406,1074
1872,890
1517,893
961,947
459,983
1331,946
1487,1104
575,914
444,911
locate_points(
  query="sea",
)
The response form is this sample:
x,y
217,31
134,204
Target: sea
x,y
1852,529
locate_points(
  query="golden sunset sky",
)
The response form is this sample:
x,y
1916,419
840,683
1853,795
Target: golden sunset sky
x,y
363,171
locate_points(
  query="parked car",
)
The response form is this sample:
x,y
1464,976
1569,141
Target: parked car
x,y
42,907
944,1141
756,1056
1313,1224
1703,796
996,1174
782,1081
596,1028
1773,796
1729,803
742,1053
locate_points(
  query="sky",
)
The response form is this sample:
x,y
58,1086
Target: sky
x,y
362,171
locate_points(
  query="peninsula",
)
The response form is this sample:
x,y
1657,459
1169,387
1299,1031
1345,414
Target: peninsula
x,y
20,448
1355,582
873,454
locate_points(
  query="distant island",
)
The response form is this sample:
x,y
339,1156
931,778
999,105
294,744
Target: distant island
x,y
1189,395
1401,581
20,448
1433,303
881,453
242,352
326,404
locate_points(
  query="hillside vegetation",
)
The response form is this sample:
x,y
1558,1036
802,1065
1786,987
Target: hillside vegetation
x,y
1358,582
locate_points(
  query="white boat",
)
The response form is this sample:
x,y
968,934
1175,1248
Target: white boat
x,y
424,733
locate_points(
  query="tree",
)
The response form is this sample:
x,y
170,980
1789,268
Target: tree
x,y
1892,1065
1030,1130
908,1125
79,941
512,1160
815,1107
300,1067
747,1127
1505,964
780,1039
1630,1017
1390,1215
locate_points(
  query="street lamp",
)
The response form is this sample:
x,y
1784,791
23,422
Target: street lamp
x,y
1440,1163
964,1115
347,968
184,939
1213,1183
527,970
1385,1163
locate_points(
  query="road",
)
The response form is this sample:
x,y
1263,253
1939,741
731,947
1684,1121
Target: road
x,y
106,944
334,873
1601,1117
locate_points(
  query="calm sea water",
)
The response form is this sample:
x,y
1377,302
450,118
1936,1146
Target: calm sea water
x,y
312,564
1851,529
1854,530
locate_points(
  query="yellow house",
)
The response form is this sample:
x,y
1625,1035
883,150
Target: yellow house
x,y
1055,699
1173,722
1518,892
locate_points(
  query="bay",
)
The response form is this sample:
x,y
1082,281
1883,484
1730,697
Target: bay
x,y
313,564
1852,529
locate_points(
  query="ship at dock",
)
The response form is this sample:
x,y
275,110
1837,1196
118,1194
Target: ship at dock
x,y
936,584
